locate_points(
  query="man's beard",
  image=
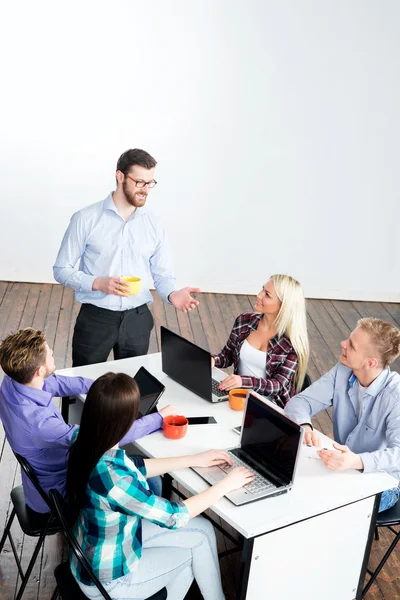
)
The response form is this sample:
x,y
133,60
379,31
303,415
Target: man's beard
x,y
131,198
48,373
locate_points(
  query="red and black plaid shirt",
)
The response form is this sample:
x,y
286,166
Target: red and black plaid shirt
x,y
281,361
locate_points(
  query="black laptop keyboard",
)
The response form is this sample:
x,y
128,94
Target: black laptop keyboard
x,y
216,391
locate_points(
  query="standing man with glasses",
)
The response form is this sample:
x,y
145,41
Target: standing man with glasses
x,y
115,238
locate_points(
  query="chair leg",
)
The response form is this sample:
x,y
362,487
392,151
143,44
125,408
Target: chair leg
x,y
56,593
376,533
7,532
16,555
381,565
32,561
7,529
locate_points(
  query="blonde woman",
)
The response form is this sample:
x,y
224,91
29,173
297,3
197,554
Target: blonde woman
x,y
269,348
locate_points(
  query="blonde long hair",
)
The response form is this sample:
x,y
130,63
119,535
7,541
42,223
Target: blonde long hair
x,y
292,321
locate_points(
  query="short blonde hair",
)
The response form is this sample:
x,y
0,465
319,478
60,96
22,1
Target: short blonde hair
x,y
22,352
384,336
292,321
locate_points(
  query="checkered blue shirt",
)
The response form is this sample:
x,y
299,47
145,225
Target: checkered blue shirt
x,y
109,526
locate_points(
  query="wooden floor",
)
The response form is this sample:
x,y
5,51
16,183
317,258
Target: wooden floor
x,y
52,309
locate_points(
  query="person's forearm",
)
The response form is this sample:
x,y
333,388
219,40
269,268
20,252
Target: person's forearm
x,y
77,280
159,466
141,427
200,502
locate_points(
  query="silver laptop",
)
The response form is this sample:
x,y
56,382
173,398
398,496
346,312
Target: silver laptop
x,y
190,366
270,446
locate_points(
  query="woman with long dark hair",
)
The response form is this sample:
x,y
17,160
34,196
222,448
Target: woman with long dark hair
x,y
136,542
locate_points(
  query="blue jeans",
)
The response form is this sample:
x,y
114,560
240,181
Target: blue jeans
x,y
389,499
171,559
155,484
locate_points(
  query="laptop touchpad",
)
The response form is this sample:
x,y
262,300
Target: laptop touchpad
x,y
213,473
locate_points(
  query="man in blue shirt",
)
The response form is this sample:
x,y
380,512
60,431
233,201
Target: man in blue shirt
x,y
33,425
365,399
114,238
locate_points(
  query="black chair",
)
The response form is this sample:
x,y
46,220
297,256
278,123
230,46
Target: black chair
x,y
388,518
32,524
306,383
67,587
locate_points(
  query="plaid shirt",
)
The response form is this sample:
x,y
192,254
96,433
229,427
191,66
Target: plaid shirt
x,y
281,361
109,526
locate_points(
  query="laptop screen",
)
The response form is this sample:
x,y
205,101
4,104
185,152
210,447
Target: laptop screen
x,y
150,390
185,362
270,439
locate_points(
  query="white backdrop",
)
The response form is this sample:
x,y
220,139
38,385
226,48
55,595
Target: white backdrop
x,y
275,123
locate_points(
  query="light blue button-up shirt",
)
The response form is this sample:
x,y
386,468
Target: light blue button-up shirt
x,y
376,435
108,246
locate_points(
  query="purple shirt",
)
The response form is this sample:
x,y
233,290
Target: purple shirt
x,y
35,429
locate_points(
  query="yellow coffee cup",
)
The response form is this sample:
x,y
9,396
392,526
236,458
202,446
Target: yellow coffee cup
x,y
134,283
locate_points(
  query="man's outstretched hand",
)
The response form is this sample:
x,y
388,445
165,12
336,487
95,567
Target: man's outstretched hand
x,y
182,299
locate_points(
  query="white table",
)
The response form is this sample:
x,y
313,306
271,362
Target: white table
x,y
313,541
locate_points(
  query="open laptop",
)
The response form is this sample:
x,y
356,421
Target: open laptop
x,y
190,366
150,391
270,446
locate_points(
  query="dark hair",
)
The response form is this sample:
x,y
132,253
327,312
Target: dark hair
x,y
22,352
133,157
111,407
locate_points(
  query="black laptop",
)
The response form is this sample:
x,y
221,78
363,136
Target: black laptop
x,y
190,366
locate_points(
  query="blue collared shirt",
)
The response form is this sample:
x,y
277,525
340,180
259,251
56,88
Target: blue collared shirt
x,y
35,429
375,436
108,246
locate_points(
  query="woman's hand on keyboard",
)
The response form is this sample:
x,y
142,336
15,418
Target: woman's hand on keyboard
x,y
211,458
237,478
231,382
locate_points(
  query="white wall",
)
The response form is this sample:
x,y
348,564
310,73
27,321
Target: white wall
x,y
276,125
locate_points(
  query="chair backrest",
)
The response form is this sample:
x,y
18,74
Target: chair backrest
x,y
307,382
30,473
63,513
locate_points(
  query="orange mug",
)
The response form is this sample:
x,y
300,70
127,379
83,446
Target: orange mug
x,y
175,426
237,399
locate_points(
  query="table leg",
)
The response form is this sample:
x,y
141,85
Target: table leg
x,y
65,402
167,486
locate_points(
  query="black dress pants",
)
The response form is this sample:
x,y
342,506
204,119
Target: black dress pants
x,y
99,330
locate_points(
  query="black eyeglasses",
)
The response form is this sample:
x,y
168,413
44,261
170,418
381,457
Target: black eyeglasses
x,y
140,183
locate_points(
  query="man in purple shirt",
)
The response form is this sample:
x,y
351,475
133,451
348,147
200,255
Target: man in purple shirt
x,y
33,425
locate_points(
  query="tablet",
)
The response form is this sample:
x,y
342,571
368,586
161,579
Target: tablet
x,y
150,391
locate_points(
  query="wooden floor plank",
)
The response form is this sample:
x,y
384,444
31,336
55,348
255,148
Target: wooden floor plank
x,y
213,341
394,310
374,309
53,314
325,325
221,330
12,307
348,312
42,307
30,306
323,357
227,313
3,289
199,336
60,347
